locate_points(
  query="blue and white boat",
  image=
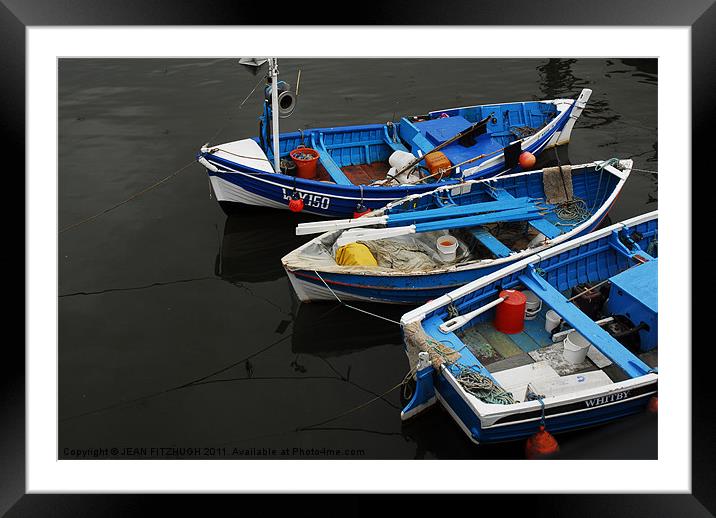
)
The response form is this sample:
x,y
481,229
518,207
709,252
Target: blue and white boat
x,y
602,287
353,171
494,222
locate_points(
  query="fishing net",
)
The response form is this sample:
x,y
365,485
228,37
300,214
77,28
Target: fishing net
x,y
412,253
417,340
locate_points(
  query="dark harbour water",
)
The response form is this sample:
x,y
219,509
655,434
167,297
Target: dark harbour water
x,y
177,325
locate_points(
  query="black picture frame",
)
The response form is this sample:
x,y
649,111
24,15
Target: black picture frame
x,y
17,15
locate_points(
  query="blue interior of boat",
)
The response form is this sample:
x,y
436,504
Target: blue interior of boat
x,y
360,145
523,192
629,268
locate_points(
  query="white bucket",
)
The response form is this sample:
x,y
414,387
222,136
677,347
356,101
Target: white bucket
x,y
551,320
447,246
575,348
532,306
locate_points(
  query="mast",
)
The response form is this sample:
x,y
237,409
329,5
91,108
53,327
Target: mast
x,y
273,72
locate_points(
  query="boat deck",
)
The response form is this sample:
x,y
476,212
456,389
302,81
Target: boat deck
x,y
506,357
363,174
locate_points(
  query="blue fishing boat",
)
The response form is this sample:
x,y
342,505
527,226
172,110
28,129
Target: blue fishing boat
x,y
487,224
361,167
564,339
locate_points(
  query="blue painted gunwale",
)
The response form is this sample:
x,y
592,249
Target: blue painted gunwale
x,y
342,199
561,268
417,288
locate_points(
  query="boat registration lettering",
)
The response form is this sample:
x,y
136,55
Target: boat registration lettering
x,y
310,200
609,398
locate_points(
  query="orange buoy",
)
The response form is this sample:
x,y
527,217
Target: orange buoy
x,y
653,405
527,160
295,204
541,444
510,314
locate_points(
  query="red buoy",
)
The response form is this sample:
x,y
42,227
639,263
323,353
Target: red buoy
x,y
360,211
527,160
653,405
542,444
510,314
295,204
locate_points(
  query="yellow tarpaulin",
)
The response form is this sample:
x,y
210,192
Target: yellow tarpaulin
x,y
355,254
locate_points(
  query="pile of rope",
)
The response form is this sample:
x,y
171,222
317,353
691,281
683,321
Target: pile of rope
x,y
483,387
523,131
575,211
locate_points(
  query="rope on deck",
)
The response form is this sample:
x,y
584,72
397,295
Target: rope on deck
x,y
483,387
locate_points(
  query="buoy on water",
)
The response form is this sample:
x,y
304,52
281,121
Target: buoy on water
x,y
295,204
527,160
541,445
653,405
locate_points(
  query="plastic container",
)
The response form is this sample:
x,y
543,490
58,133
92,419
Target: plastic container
x,y
306,160
551,320
575,348
533,306
510,314
447,247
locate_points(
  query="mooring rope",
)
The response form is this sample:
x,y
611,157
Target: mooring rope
x,y
644,170
136,195
353,307
407,377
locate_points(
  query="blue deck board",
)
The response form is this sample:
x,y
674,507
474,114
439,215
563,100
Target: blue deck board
x,y
524,341
535,330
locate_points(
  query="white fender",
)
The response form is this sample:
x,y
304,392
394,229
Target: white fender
x,y
211,167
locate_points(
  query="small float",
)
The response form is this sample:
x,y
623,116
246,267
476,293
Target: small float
x,y
425,245
564,339
337,171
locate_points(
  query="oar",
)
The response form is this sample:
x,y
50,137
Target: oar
x,y
410,217
442,172
370,234
459,321
417,160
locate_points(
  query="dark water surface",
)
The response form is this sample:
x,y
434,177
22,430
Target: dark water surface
x,y
177,325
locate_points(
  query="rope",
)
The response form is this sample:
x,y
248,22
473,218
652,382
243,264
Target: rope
x,y
644,170
483,387
105,211
574,210
353,307
362,405
222,128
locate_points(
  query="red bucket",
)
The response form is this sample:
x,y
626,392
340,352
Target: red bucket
x,y
510,315
306,160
